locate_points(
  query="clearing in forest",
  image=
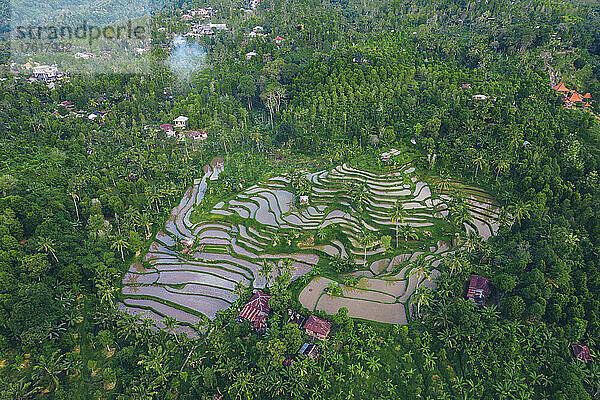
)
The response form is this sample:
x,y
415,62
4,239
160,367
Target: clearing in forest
x,y
195,266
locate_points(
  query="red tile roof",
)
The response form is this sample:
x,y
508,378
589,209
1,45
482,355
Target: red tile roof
x,y
581,352
587,96
478,283
257,306
166,127
575,97
318,325
561,88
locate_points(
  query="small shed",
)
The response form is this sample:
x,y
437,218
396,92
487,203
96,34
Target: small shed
x,y
303,200
309,350
479,289
581,352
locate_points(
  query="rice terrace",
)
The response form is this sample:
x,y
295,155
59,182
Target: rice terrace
x,y
320,228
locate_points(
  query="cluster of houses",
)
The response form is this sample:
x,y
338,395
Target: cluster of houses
x,y
199,26
571,98
199,30
48,74
256,312
179,130
201,13
70,112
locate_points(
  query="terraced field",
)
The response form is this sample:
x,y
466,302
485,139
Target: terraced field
x,y
231,244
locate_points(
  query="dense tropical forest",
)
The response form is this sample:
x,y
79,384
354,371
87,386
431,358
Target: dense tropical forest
x,y
82,198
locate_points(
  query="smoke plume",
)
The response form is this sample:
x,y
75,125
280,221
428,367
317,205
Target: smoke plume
x,y
186,58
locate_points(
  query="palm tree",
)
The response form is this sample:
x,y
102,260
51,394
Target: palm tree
x,y
397,216
52,366
120,243
170,323
107,293
479,163
520,210
502,166
75,198
420,268
456,262
443,185
408,232
153,196
266,271
422,297
366,240
46,245
239,289
146,222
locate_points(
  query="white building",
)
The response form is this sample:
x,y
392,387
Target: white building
x,y
181,122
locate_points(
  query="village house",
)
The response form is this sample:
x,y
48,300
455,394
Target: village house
x,y
46,73
168,129
256,311
85,56
196,135
317,327
68,105
303,200
278,40
309,350
250,55
581,352
219,27
181,122
572,98
479,289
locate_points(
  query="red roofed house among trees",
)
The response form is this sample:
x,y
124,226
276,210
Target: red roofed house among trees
x,y
561,88
167,127
278,39
581,352
256,311
479,289
317,327
576,98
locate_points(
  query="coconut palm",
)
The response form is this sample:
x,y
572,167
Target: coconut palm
x,y
51,366
455,262
46,245
420,268
266,271
520,210
146,222
422,297
408,233
397,216
479,163
75,197
366,240
120,243
502,166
